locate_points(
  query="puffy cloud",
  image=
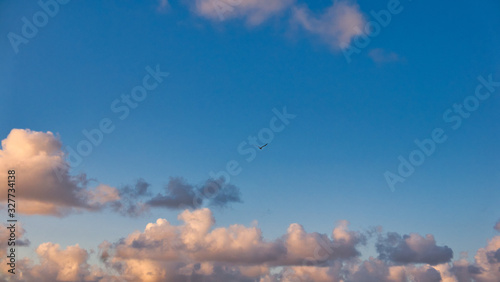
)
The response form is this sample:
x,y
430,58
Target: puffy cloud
x,y
197,248
254,12
36,156
181,195
49,189
337,26
315,248
412,248
56,264
47,186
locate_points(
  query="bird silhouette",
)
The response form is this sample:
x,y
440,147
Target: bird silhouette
x,y
262,146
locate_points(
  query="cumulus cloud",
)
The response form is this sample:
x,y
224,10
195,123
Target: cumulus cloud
x,y
196,250
36,156
254,12
196,247
412,248
57,264
180,195
337,26
50,189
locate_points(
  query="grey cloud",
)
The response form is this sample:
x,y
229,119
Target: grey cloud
x,y
412,248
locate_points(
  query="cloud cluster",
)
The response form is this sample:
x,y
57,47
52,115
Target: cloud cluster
x,y
48,188
196,250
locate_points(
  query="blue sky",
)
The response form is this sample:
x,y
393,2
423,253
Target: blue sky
x,y
353,119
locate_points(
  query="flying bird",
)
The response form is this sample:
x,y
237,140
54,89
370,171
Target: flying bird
x,y
262,146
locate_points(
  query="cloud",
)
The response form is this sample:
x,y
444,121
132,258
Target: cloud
x,y
255,12
5,235
180,195
379,55
47,186
36,156
197,250
337,26
56,264
129,202
412,248
497,226
195,247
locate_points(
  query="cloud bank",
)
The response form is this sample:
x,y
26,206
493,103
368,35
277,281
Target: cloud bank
x,y
196,250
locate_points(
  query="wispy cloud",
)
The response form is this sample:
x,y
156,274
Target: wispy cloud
x,y
254,12
379,55
337,26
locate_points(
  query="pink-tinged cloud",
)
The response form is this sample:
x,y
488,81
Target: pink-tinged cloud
x,y
57,264
497,226
197,242
337,26
43,173
254,12
195,250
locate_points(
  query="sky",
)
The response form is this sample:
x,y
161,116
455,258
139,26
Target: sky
x,y
134,129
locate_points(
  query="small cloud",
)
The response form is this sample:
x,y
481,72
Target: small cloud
x,y
380,56
497,226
